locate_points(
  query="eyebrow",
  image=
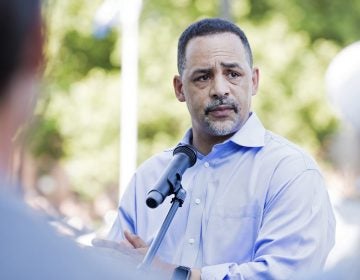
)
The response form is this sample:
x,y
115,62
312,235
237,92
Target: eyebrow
x,y
230,65
201,71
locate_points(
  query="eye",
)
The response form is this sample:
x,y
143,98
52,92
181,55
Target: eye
x,y
202,78
233,74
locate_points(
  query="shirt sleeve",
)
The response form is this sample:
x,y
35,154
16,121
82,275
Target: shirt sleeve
x,y
126,217
296,232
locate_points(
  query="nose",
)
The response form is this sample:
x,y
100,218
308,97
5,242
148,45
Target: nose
x,y
220,87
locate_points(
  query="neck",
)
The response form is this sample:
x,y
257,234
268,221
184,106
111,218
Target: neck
x,y
205,142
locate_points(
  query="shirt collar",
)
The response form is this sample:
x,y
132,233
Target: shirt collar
x,y
251,134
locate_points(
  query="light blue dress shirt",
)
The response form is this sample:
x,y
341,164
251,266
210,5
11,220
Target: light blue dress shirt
x,y
256,208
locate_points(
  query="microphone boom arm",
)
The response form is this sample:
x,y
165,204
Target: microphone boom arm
x,y
167,185
177,202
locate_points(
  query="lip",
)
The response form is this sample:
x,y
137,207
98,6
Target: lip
x,y
221,111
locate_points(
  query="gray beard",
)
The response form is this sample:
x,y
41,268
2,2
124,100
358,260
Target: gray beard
x,y
222,128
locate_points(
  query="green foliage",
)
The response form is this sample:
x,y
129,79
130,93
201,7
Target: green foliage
x,y
329,19
291,99
321,19
80,53
47,141
88,119
293,42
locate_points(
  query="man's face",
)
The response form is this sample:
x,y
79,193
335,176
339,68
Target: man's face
x,y
217,84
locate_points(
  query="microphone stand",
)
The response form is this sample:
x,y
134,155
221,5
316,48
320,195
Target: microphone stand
x,y
177,201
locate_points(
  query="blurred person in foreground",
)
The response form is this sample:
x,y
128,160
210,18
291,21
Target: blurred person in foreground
x,y
29,247
257,205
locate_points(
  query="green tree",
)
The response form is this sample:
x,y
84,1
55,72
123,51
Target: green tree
x,y
293,43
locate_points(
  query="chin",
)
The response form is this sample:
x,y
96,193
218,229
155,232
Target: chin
x,y
223,128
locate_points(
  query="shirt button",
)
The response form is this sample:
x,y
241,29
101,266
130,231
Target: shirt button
x,y
191,241
197,201
206,164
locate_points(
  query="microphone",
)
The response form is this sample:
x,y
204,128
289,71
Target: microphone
x,y
184,157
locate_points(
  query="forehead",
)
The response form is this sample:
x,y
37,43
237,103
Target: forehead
x,y
222,47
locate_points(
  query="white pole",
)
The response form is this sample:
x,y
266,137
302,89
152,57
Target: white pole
x,y
129,15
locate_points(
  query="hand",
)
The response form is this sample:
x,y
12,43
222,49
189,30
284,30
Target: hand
x,y
114,249
135,241
136,248
139,244
132,246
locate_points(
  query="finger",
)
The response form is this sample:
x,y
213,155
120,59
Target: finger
x,y
134,240
123,247
126,244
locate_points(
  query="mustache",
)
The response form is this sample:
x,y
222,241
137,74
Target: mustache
x,y
221,102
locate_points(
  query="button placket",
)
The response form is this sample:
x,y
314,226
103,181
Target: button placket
x,y
196,209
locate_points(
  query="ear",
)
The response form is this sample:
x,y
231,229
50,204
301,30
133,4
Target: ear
x,y
255,80
178,87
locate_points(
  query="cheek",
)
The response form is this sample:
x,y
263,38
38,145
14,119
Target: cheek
x,y
243,95
196,99
245,104
200,99
192,107
195,105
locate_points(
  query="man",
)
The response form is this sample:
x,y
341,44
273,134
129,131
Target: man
x,y
29,248
256,205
